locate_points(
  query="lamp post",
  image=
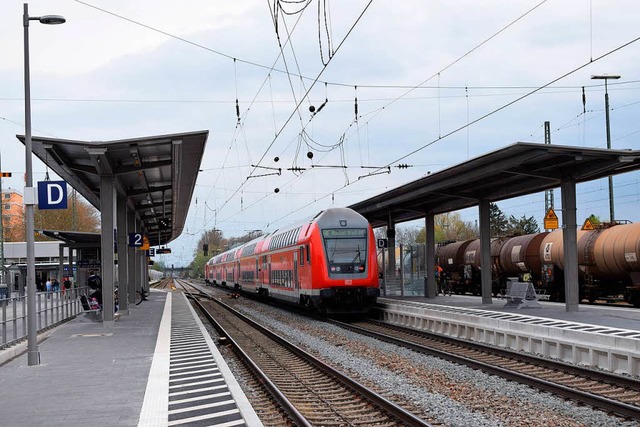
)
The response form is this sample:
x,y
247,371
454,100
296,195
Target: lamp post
x,y
606,77
29,191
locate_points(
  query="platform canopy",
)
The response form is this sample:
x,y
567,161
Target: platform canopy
x,y
156,174
73,237
516,170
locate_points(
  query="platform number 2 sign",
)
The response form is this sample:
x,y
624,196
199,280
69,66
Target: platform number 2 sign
x,y
135,240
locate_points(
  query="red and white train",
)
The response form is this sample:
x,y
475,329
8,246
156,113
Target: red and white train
x,y
327,263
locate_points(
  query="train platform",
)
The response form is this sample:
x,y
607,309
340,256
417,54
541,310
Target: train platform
x,y
603,337
156,366
611,316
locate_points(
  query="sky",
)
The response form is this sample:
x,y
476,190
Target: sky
x,y
428,84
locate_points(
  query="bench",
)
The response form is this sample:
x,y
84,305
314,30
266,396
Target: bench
x,y
521,294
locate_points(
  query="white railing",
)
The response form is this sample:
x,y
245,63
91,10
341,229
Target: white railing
x,y
52,308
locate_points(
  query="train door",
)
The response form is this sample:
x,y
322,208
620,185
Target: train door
x,y
256,279
269,270
296,284
237,274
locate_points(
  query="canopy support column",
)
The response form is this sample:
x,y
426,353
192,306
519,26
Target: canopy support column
x,y
570,244
108,215
430,290
123,260
485,251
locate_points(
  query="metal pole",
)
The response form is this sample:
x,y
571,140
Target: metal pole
x,y
2,272
606,107
29,195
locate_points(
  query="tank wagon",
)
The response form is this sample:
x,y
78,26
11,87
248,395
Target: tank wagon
x,y
327,264
608,261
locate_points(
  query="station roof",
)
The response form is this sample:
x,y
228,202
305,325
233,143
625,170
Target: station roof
x,y
516,170
73,237
157,174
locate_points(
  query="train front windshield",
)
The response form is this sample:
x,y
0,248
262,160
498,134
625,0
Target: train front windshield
x,y
346,250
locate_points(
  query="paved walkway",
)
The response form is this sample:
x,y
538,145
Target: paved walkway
x,y
90,373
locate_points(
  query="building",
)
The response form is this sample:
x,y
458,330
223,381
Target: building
x,y
47,256
13,216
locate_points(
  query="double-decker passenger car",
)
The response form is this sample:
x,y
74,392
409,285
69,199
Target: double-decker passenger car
x,y
327,264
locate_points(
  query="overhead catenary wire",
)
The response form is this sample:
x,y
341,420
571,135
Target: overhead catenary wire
x,y
413,88
480,118
272,68
302,100
367,122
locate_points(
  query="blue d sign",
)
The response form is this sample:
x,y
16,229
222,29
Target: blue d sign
x,y
52,195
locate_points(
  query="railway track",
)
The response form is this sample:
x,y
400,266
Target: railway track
x,y
164,283
308,390
608,392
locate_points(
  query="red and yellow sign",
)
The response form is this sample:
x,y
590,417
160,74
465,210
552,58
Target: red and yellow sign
x,y
145,243
550,220
588,225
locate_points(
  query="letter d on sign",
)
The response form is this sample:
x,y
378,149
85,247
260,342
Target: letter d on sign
x,y
52,195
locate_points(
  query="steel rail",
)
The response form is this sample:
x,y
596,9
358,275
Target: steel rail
x,y
406,418
600,402
282,400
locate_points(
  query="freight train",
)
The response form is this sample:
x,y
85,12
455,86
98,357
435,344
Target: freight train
x,y
608,261
327,264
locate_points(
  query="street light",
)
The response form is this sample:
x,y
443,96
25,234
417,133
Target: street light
x,y
606,77
29,190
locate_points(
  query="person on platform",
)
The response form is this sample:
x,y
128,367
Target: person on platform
x,y
48,287
94,282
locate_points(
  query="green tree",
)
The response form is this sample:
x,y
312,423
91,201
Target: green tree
x,y
158,266
523,225
216,241
78,216
197,265
498,223
595,220
449,226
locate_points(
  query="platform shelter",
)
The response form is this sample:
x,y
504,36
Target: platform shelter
x,y
141,186
512,171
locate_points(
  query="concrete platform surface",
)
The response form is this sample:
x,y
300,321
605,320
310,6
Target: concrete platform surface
x,y
90,373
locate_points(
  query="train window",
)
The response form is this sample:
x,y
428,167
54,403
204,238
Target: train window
x,y
301,256
308,255
345,246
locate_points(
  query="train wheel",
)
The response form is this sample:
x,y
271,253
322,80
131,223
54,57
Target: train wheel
x,y
308,304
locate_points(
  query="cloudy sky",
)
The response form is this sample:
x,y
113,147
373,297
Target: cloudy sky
x,y
436,83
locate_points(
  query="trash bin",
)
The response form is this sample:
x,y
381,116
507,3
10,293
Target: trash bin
x,y
4,291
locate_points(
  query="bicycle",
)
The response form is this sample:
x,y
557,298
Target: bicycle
x,y
141,295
